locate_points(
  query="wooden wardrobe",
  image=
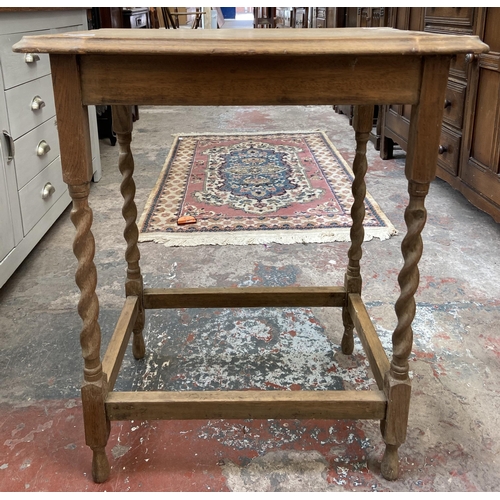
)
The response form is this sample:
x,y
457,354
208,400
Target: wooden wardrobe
x,y
469,153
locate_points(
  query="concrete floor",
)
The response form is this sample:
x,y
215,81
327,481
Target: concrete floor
x,y
453,433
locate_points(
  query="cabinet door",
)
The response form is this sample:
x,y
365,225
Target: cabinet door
x,y
480,162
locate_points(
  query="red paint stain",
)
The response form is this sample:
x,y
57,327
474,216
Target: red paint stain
x,y
443,336
432,281
492,344
464,480
424,355
183,456
275,386
295,387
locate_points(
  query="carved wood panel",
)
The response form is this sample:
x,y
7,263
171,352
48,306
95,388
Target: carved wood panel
x,y
480,165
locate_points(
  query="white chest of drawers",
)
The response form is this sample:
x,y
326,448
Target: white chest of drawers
x,y
32,193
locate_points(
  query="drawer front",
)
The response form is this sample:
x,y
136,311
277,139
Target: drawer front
x,y
458,20
33,204
37,20
20,68
35,150
449,154
452,14
20,102
454,104
458,66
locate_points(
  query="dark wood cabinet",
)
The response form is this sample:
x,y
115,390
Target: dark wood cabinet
x,y
395,119
323,17
469,151
372,17
479,172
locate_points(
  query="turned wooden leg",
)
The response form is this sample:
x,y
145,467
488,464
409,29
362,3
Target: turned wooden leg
x,y
122,125
363,122
420,169
397,384
94,388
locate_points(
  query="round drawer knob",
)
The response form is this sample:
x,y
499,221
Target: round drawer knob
x,y
37,103
442,149
42,149
47,190
471,58
31,58
447,104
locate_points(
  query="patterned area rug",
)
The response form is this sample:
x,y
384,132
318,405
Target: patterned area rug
x,y
253,189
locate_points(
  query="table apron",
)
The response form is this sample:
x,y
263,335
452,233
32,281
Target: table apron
x,y
238,81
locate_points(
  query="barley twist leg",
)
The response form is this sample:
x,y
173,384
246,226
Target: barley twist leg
x,y
397,383
94,388
122,124
363,122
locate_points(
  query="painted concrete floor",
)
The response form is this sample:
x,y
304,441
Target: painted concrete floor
x,y
454,427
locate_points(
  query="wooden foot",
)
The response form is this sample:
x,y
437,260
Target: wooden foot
x,y
138,347
393,427
100,465
390,463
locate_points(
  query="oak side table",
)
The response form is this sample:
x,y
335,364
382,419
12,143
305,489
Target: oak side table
x,y
359,66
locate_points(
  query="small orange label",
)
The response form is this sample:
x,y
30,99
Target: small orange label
x,y
186,219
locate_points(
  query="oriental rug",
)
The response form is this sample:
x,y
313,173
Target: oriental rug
x,y
259,188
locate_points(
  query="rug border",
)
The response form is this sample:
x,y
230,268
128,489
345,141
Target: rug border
x,y
260,237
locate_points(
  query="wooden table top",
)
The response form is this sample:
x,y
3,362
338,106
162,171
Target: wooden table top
x,y
278,42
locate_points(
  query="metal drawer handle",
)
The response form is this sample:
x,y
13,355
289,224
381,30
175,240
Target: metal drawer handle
x,y
31,58
442,149
37,103
471,58
42,149
12,148
47,190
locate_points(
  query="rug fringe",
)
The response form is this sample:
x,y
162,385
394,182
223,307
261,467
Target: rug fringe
x,y
262,237
195,134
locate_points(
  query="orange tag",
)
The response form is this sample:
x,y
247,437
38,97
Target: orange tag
x,y
186,219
